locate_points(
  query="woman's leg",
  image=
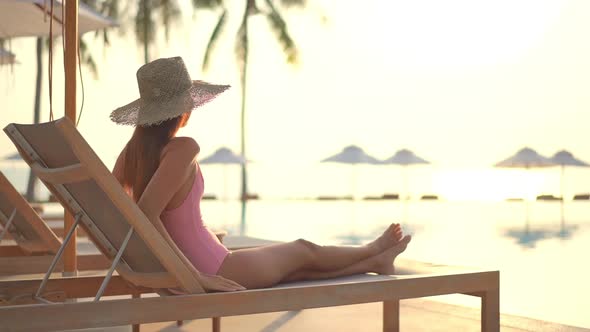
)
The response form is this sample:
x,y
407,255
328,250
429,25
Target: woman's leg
x,y
328,258
266,266
381,264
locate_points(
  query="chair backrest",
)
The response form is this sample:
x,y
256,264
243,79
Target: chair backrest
x,y
70,169
29,231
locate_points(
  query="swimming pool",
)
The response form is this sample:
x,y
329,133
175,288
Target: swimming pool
x,y
544,271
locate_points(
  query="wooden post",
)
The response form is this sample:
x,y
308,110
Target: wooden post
x,y
391,316
490,310
71,60
216,324
136,327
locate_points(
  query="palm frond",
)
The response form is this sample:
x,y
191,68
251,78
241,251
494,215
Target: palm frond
x,y
108,8
293,3
169,13
144,23
86,58
279,27
111,8
207,4
214,38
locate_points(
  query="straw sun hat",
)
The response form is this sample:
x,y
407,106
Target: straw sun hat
x,y
166,91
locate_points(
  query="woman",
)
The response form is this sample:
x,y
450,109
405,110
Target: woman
x,y
160,172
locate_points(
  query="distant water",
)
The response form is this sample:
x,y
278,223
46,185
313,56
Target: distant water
x,y
544,272
544,268
310,180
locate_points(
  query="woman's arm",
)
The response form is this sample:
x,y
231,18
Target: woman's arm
x,y
176,167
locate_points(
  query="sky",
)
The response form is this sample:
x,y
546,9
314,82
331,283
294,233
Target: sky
x,y
462,83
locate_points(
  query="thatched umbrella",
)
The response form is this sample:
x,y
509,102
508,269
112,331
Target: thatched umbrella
x,y
354,156
564,158
526,158
405,158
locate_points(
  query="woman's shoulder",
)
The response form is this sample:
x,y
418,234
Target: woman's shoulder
x,y
181,146
186,144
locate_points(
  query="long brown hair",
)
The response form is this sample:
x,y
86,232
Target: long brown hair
x,y
142,155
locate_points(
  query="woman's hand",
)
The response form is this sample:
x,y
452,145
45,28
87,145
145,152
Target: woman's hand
x,y
219,283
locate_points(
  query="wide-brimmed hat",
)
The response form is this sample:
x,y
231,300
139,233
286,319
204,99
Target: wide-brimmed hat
x,y
166,91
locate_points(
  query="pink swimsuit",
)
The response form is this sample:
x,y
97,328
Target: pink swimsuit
x,y
193,238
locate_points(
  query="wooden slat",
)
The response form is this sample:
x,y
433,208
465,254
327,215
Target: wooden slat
x,y
61,175
29,215
33,247
11,250
59,231
74,287
288,297
39,264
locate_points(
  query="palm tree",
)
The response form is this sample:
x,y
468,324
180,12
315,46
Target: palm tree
x,y
278,26
167,10
143,14
144,30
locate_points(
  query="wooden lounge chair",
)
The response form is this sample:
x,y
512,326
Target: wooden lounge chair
x,y
33,243
145,262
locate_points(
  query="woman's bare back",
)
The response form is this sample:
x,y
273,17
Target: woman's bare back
x,y
176,172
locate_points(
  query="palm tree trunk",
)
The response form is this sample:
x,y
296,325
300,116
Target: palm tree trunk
x,y
243,129
32,184
147,15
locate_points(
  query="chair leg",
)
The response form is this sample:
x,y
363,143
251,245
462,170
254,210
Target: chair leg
x,y
216,324
490,311
135,327
391,316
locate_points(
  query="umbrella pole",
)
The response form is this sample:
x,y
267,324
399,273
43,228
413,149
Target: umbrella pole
x,y
71,52
354,180
526,202
225,192
406,194
225,197
353,202
405,179
562,199
526,220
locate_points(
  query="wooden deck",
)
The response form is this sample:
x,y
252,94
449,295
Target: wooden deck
x,y
416,315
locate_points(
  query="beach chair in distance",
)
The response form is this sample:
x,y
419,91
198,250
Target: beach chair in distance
x,y
34,242
145,262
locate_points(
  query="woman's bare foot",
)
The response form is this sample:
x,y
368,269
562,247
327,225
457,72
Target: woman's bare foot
x,y
388,239
384,262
